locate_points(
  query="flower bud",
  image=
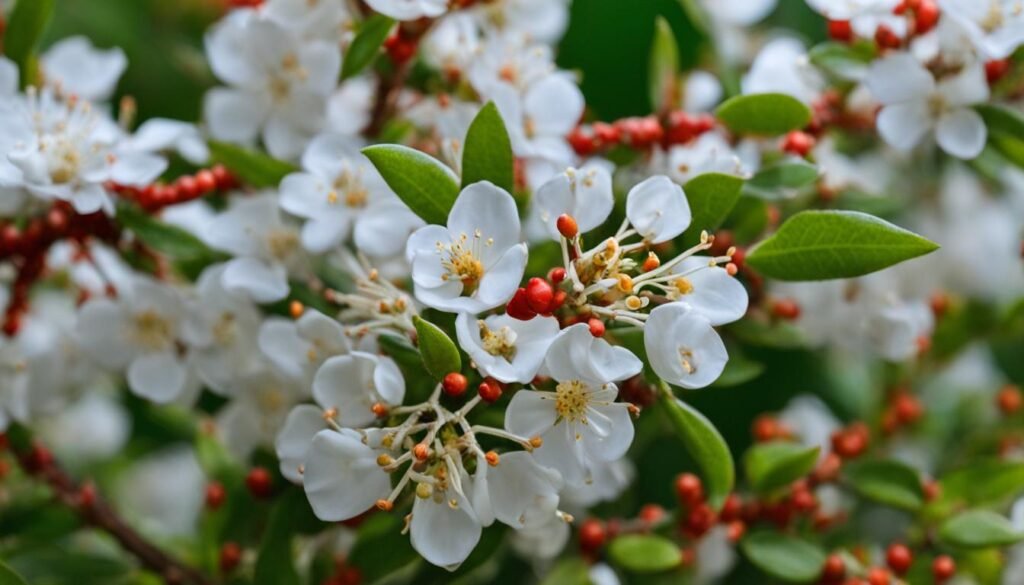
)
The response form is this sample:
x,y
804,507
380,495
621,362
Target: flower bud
x,y
567,226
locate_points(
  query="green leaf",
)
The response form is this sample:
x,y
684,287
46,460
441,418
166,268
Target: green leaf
x,y
440,355
989,481
887,482
644,553
843,60
705,444
770,466
979,529
767,114
428,187
711,196
792,173
25,28
366,45
819,245
738,370
9,577
253,168
380,548
570,571
171,240
663,67
275,564
1005,131
787,558
487,154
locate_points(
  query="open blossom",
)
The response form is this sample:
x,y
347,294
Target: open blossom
x,y
409,9
298,347
579,421
507,349
339,189
295,438
585,194
996,26
657,209
476,262
915,103
709,289
352,384
683,347
342,478
278,83
260,402
517,491
78,68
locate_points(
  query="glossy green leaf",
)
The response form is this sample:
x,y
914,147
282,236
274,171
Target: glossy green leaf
x,y
787,558
171,240
428,187
887,482
663,67
9,577
772,181
820,245
843,60
366,45
571,571
766,114
25,27
380,548
252,167
770,466
487,153
1005,131
705,444
644,553
275,564
711,197
440,355
988,481
738,370
979,529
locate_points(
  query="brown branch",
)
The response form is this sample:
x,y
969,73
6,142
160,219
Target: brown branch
x,y
37,462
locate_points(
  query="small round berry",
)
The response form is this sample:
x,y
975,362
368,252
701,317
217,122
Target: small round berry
x,y
1009,399
519,308
567,226
878,576
689,489
834,569
592,534
596,327
899,558
421,452
652,513
556,275
205,181
926,16
489,390
259,482
840,30
215,495
943,568
539,294
798,143
230,556
454,384
787,309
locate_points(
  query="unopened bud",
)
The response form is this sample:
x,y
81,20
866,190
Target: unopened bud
x,y
651,262
384,505
567,226
492,458
295,309
421,452
424,491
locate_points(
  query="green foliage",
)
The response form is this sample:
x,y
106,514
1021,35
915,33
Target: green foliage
x,y
976,529
712,196
487,153
773,465
275,564
381,549
644,553
820,245
663,67
440,354
765,114
787,558
173,241
428,187
24,30
253,168
771,181
366,45
705,444
9,577
842,60
1005,131
571,571
987,481
887,482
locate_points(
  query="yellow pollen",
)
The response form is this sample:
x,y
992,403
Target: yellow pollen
x,y
332,197
625,283
686,358
281,243
498,343
571,401
424,491
462,260
683,285
152,331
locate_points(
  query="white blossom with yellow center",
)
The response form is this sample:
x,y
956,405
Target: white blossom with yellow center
x,y
682,346
507,349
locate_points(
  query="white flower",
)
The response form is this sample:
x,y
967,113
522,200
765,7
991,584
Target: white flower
x,y
865,16
504,348
322,19
278,84
266,249
996,26
782,66
580,423
657,209
444,527
915,103
812,421
78,68
585,194
516,491
261,401
295,438
539,119
221,329
342,479
163,493
338,188
541,20
158,134
65,150
298,347
139,331
682,346
710,290
476,262
709,153
409,9
351,384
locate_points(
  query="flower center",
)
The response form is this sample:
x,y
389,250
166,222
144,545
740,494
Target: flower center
x,y
349,183
281,243
498,343
152,330
683,285
64,162
224,330
571,401
271,400
462,260
686,359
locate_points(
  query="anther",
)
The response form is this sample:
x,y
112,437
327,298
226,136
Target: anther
x,y
492,458
379,410
295,309
421,452
384,505
424,491
384,460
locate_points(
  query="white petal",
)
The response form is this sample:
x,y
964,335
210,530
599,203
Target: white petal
x,y
263,282
961,133
383,229
530,414
965,88
518,485
444,535
501,280
234,115
614,445
718,296
102,328
903,125
160,377
296,437
82,69
488,209
899,78
342,479
345,384
554,105
137,168
675,332
279,340
658,209
388,381
323,234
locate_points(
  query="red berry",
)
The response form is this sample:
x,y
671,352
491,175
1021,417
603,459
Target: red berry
x,y
519,307
454,384
539,294
582,141
230,556
556,275
205,181
215,495
596,327
732,508
222,177
606,134
840,30
556,301
1009,399
926,16
689,489
885,38
943,568
700,520
652,513
908,408
834,569
187,186
899,558
566,225
592,534
787,309
259,482
798,143
878,576
996,69
489,390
